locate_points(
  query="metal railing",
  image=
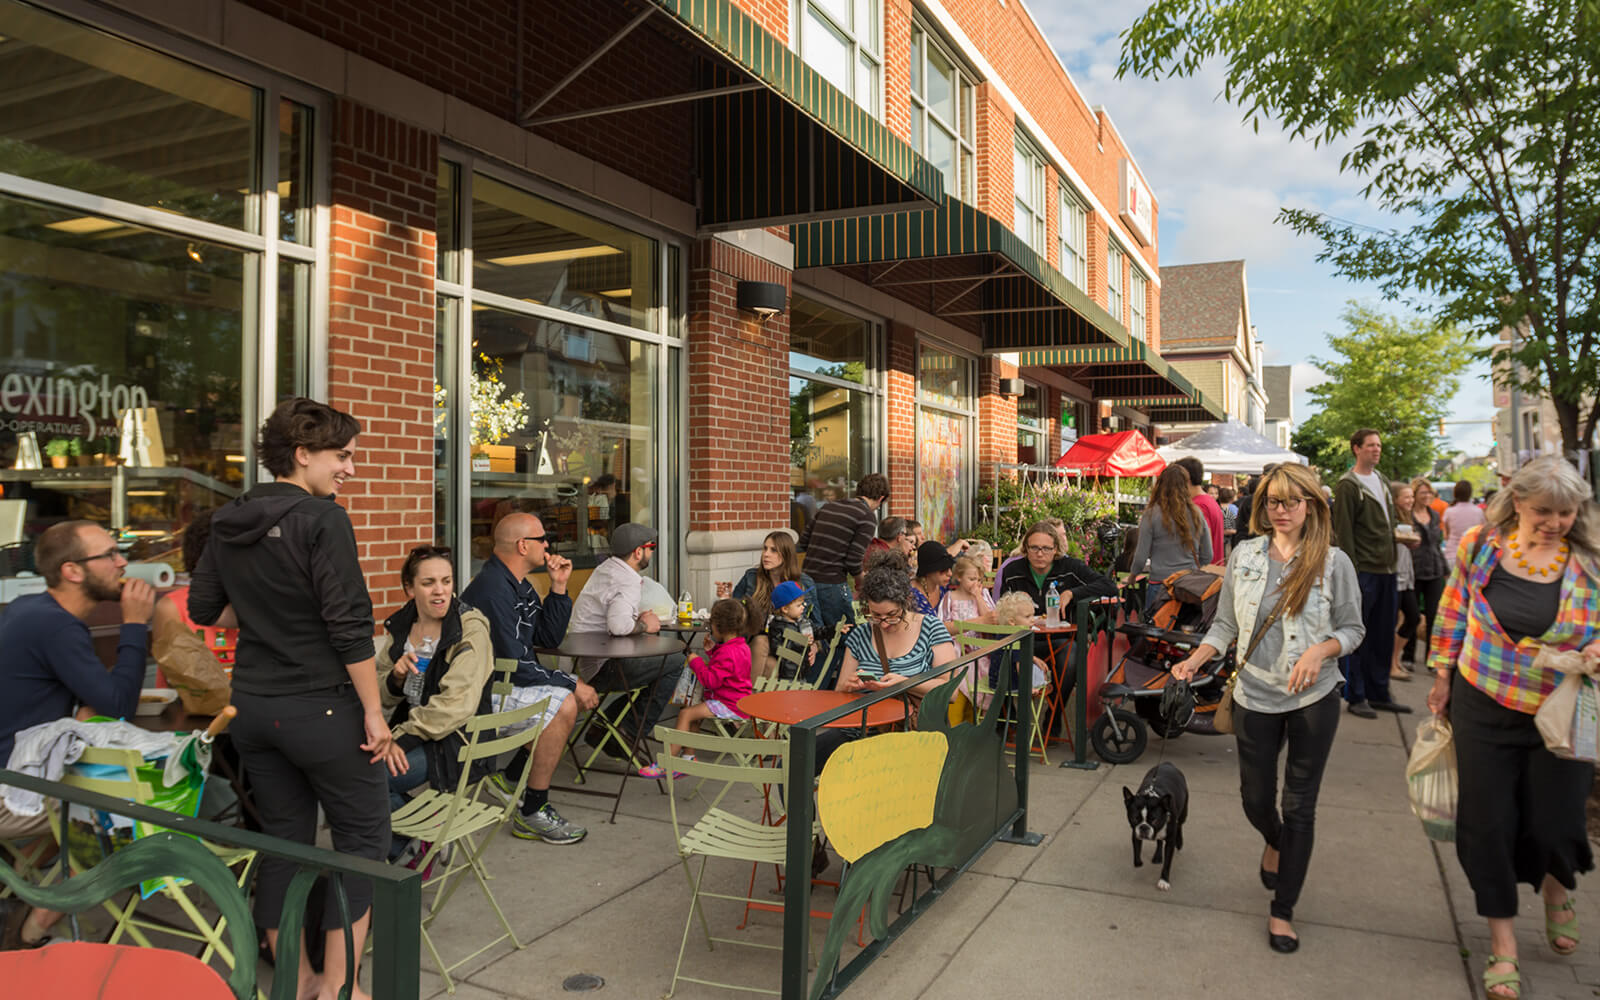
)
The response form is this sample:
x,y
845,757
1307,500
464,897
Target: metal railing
x,y
1014,683
395,927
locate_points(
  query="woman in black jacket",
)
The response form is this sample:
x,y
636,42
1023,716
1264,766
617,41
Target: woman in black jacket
x,y
1429,564
310,728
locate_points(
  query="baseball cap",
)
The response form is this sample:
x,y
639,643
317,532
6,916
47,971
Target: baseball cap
x,y
630,536
786,593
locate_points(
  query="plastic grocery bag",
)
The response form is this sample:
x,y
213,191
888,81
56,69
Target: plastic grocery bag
x,y
1431,778
1569,719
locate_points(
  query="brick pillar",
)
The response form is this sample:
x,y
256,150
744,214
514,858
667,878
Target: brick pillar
x,y
380,332
897,69
901,379
997,419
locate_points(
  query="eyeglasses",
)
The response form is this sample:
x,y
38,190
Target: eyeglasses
x,y
1285,503
535,538
892,618
1041,548
113,553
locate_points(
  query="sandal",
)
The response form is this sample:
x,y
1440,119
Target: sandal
x,y
1512,979
1567,928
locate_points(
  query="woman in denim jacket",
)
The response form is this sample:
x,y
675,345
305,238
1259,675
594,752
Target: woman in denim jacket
x,y
1287,692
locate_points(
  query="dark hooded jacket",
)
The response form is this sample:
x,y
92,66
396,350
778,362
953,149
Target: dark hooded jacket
x,y
287,562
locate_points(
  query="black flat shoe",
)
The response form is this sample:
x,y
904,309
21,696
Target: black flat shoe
x,y
1361,709
1390,706
1283,944
1269,880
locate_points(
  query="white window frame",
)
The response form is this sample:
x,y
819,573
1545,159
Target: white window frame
x,y
868,50
1074,237
1032,199
1138,290
964,163
1037,428
875,361
1114,297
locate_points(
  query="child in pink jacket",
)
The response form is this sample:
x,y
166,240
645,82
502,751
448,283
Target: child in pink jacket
x,y
725,676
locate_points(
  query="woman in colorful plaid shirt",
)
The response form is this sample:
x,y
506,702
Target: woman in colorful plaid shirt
x,y
1527,579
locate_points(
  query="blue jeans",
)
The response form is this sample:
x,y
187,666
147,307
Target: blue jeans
x,y
399,784
1366,671
833,601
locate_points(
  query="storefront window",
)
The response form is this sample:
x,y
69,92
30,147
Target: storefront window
x,y
944,442
833,405
1030,426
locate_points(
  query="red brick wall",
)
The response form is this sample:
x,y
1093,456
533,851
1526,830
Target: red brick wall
x,y
738,415
901,379
997,418
995,139
897,68
381,330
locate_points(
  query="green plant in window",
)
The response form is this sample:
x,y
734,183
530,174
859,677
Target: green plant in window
x,y
75,447
495,415
58,448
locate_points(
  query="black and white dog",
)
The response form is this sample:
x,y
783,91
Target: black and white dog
x,y
1157,814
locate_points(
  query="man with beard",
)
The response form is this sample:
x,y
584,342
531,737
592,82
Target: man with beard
x,y
50,670
610,603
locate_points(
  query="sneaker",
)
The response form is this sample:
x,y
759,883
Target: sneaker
x,y
546,825
499,787
654,771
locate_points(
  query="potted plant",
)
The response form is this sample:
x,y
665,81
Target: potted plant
x,y
57,449
76,450
108,450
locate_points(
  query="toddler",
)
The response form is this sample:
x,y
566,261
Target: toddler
x,y
788,626
724,675
967,600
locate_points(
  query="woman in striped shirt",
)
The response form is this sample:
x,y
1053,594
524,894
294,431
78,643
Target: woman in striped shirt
x,y
1527,579
913,643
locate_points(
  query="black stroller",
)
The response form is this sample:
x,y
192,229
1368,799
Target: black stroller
x,y
1135,698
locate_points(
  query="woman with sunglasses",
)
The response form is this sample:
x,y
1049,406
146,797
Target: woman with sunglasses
x,y
1292,603
434,670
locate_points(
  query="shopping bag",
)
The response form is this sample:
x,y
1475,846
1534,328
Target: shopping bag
x,y
1569,719
201,680
1431,778
687,692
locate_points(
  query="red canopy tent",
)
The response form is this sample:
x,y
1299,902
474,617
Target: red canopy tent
x,y
1126,453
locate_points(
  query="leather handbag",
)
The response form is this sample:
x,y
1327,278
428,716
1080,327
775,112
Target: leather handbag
x,y
1222,720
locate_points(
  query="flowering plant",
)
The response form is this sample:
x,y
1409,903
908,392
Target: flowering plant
x,y
495,416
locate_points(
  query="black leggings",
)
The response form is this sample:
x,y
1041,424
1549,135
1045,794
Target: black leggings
x,y
1410,616
1520,809
1261,737
1428,594
301,750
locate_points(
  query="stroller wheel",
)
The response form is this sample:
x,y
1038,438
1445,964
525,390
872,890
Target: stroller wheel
x,y
1119,736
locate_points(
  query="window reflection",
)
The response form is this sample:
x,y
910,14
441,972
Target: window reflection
x,y
831,426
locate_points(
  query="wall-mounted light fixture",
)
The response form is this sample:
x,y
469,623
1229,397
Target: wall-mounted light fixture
x,y
1012,387
764,298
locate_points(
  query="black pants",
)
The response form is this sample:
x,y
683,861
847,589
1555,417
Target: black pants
x,y
1261,737
1520,809
661,672
1428,594
1410,616
301,750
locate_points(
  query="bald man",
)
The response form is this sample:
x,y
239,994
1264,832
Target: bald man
x,y
520,623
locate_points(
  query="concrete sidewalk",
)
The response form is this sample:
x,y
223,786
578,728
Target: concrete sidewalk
x,y
1384,913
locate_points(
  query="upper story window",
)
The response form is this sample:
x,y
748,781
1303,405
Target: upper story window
x,y
1114,257
942,114
1074,238
1137,290
1028,189
843,40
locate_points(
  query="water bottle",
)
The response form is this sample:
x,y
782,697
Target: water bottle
x,y
1052,607
413,684
685,608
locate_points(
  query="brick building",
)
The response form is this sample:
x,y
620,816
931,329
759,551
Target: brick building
x,y
554,211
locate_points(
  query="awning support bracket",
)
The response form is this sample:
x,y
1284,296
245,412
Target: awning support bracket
x,y
592,58
654,102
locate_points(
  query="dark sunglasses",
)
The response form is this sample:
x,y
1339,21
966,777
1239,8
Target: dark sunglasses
x,y
536,538
432,552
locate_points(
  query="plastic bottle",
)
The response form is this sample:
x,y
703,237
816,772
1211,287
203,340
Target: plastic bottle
x,y
685,608
413,684
1052,607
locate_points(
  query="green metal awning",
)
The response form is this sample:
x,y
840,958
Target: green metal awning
x,y
959,263
797,148
1133,376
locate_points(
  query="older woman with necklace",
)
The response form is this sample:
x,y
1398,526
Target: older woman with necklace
x,y
1526,580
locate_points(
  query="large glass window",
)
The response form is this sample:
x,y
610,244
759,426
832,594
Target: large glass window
x,y
843,40
1027,178
1030,426
1137,290
1074,242
833,405
138,347
944,442
1114,282
942,113
557,402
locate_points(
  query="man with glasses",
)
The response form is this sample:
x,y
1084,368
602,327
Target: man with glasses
x,y
520,623
610,603
1364,518
50,670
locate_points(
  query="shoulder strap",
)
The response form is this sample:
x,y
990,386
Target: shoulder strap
x,y
1255,640
883,652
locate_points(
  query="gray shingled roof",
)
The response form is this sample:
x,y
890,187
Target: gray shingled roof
x,y
1200,304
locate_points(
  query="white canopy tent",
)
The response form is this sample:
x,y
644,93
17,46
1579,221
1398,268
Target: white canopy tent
x,y
1230,447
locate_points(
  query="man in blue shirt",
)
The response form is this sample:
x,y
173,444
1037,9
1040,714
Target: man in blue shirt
x,y
50,670
520,623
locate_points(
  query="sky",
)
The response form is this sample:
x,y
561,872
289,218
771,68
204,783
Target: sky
x,y
1219,186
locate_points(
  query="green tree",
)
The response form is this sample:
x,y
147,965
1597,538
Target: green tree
x,y
1396,375
1474,124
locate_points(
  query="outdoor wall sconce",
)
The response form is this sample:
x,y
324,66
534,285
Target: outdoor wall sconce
x,y
764,298
1011,387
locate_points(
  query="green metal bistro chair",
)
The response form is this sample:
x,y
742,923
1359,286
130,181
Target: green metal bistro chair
x,y
970,635
458,828
720,833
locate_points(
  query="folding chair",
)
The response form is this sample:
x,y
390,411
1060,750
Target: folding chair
x,y
721,834
137,789
458,828
970,635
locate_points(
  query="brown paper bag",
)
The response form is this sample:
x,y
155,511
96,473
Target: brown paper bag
x,y
190,668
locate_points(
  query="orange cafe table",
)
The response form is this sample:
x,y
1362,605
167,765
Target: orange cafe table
x,y
790,707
